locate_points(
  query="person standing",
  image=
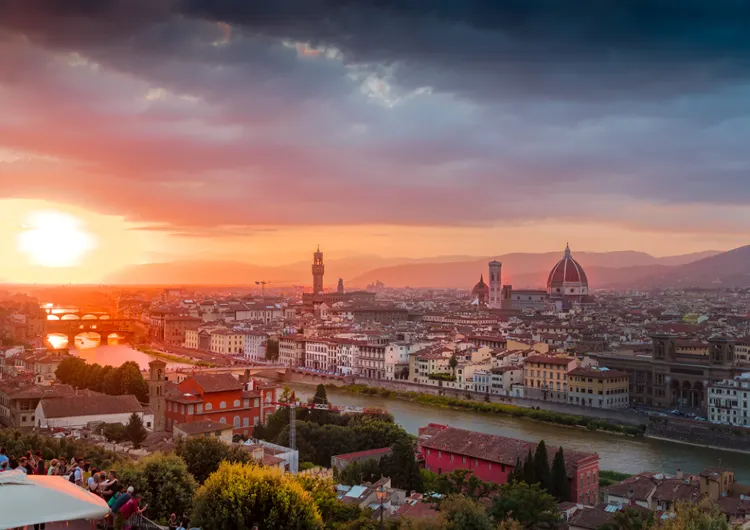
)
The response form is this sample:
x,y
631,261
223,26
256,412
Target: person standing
x,y
40,464
3,456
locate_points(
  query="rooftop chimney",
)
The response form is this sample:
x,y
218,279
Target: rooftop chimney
x,y
679,473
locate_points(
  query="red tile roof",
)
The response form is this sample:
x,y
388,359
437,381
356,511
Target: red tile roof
x,y
494,448
217,382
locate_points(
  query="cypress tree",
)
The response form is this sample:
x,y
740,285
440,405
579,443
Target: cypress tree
x,y
560,484
516,474
529,475
542,471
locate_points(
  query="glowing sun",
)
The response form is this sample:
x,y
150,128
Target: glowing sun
x,y
54,239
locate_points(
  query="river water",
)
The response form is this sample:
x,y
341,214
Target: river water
x,y
618,453
114,353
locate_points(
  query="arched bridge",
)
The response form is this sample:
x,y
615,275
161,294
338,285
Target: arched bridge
x,y
104,328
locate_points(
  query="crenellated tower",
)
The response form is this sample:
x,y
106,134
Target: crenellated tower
x,y
318,270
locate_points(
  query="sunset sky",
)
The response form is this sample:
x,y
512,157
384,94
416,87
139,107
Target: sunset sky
x,y
135,131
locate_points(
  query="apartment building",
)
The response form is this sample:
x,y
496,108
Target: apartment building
x,y
599,388
728,401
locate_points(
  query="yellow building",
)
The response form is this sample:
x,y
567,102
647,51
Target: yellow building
x,y
546,376
599,388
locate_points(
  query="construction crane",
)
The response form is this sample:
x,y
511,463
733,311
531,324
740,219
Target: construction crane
x,y
262,284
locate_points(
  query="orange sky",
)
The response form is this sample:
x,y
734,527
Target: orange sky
x,y
114,243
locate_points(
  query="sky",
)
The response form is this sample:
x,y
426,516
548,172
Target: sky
x,y
135,131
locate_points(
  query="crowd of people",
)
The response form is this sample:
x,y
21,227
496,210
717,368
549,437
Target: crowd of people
x,y
123,502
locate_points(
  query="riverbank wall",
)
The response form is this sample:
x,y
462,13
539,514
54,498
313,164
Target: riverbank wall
x,y
699,434
624,417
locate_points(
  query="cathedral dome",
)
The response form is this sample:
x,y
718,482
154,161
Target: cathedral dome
x,y
567,277
481,291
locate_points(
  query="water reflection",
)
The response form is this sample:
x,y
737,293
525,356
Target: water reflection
x,y
112,352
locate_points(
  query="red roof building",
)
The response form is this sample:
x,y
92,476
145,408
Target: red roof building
x,y
220,398
492,458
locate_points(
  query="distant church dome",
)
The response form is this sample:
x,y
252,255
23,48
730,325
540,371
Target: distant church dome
x,y
567,278
481,291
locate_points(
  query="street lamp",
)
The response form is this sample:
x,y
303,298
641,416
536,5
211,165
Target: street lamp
x,y
380,492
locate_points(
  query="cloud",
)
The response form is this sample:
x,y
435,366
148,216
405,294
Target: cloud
x,y
220,117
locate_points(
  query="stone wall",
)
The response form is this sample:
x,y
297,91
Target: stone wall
x,y
703,434
626,417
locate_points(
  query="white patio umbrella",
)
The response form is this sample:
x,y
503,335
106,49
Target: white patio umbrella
x,y
33,499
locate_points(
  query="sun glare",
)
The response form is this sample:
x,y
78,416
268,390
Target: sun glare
x,y
54,239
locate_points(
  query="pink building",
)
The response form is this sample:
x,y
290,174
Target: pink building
x,y
492,458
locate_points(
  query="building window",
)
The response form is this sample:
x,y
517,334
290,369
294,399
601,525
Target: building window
x,y
190,409
222,420
223,405
200,408
237,422
245,422
236,403
209,406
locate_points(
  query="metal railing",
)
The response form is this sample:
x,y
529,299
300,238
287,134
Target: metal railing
x,y
138,522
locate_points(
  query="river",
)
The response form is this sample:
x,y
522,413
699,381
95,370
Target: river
x,y
114,353
618,453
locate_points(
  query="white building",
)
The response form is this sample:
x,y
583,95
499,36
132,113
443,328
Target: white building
x,y
347,357
77,412
227,342
255,345
498,381
728,401
292,350
320,354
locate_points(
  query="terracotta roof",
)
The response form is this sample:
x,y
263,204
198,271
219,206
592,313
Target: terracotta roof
x,y
567,270
677,490
361,454
590,518
202,427
549,359
642,488
494,448
217,382
87,406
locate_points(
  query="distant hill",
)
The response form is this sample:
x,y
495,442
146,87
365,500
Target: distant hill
x,y
523,270
727,269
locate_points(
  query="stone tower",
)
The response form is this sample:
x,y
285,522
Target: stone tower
x,y
496,284
156,400
318,269
340,287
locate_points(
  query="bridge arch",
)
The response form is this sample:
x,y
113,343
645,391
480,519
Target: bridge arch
x,y
89,317
53,317
70,316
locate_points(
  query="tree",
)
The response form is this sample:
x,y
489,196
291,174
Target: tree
x,y
560,484
203,455
630,519
528,504
462,513
165,483
242,495
464,482
320,398
334,513
695,517
402,467
542,472
453,363
529,471
135,431
114,432
355,473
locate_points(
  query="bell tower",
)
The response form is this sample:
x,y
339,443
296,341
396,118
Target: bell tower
x,y
156,399
496,284
318,270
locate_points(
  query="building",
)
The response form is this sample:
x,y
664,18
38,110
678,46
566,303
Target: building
x,y
496,283
500,380
546,376
292,350
227,342
255,345
81,411
599,388
492,458
524,299
157,392
340,462
728,401
19,400
204,429
665,378
567,284
175,327
318,271
372,360
217,397
480,294
320,354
